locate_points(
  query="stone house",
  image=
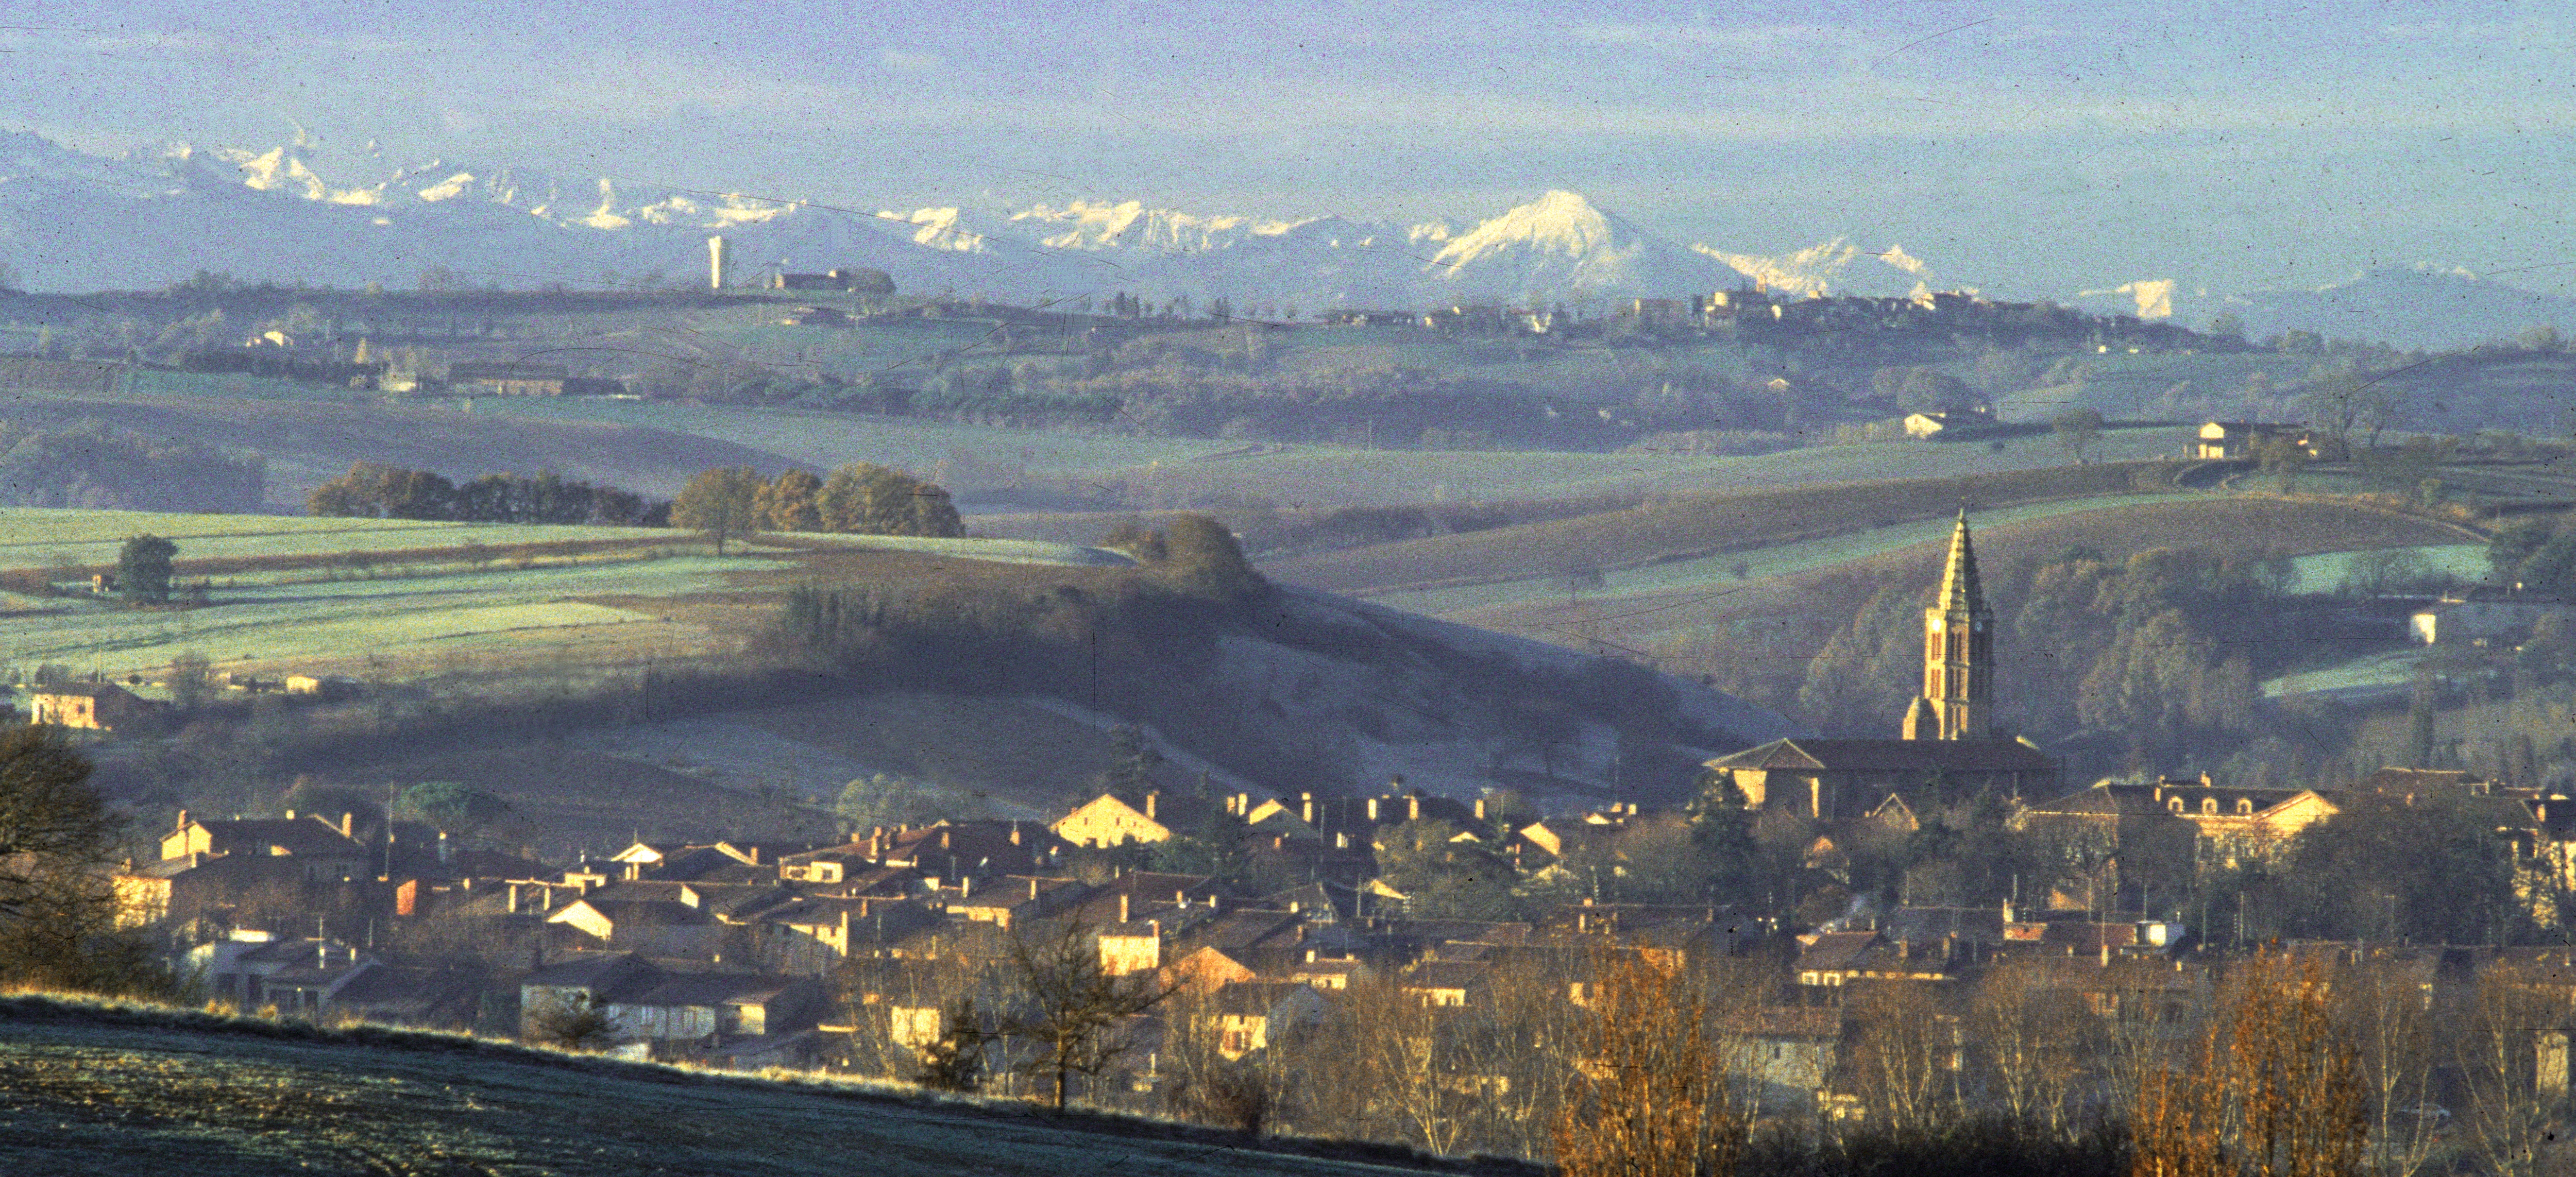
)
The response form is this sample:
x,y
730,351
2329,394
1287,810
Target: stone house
x,y
2487,615
98,706
2225,440
1108,820
322,850
1249,1016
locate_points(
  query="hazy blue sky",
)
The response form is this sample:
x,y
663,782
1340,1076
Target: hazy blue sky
x,y
2026,147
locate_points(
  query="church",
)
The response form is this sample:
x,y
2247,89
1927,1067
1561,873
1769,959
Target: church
x,y
1949,745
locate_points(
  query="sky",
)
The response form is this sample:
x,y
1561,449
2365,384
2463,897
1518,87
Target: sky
x,y
2029,148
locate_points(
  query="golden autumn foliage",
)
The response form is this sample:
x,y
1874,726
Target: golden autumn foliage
x,y
1649,1098
2273,1088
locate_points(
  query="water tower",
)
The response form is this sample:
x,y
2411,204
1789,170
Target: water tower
x,y
716,262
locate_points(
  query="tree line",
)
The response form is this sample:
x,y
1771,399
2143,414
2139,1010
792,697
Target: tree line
x,y
376,490
727,502
1616,1059
862,498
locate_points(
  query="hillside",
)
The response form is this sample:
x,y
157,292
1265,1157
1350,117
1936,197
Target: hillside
x,y
95,1088
1692,526
308,440
607,682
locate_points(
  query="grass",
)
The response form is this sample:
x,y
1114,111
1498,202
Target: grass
x,y
1798,600
33,537
308,440
1695,527
104,1086
361,594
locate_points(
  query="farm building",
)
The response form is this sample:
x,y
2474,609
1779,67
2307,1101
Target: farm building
x,y
1948,426
2485,614
96,706
2239,439
515,379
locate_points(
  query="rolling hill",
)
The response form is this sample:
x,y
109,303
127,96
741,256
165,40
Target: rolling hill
x,y
93,1087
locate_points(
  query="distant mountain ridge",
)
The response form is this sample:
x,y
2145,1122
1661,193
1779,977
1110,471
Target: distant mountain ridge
x,y
71,220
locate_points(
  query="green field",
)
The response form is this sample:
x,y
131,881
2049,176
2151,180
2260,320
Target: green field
x,y
1712,574
438,604
827,440
41,537
255,625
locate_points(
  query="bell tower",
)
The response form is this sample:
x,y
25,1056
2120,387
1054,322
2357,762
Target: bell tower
x,y
1958,699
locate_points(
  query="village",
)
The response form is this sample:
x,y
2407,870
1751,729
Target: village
x,y
1281,932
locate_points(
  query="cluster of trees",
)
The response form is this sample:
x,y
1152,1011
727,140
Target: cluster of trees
x,y
861,498
2158,653
375,490
89,464
2537,553
1130,634
2273,1064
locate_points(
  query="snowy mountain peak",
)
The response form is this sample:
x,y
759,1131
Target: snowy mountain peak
x,y
1831,267
1560,224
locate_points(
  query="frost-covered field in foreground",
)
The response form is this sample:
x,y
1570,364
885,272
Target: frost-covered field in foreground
x,y
120,1089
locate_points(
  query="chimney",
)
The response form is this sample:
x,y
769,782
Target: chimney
x,y
446,849
1306,808
1480,809
943,839
1123,913
1413,806
1033,888
183,822
965,886
1150,798
1310,956
348,824
1372,810
1015,833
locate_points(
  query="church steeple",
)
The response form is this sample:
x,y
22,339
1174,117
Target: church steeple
x,y
1958,653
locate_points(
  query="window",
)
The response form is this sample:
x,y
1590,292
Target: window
x,y
2209,807
2244,808
2174,803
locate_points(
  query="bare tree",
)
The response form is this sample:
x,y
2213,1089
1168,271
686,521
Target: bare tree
x,y
1398,1069
2509,1118
2273,1089
2037,1041
2077,430
1649,1097
1211,1083
2387,1010
1072,1007
190,678
1906,1054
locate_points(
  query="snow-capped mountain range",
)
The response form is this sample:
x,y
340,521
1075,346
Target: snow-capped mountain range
x,y
71,220
75,221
